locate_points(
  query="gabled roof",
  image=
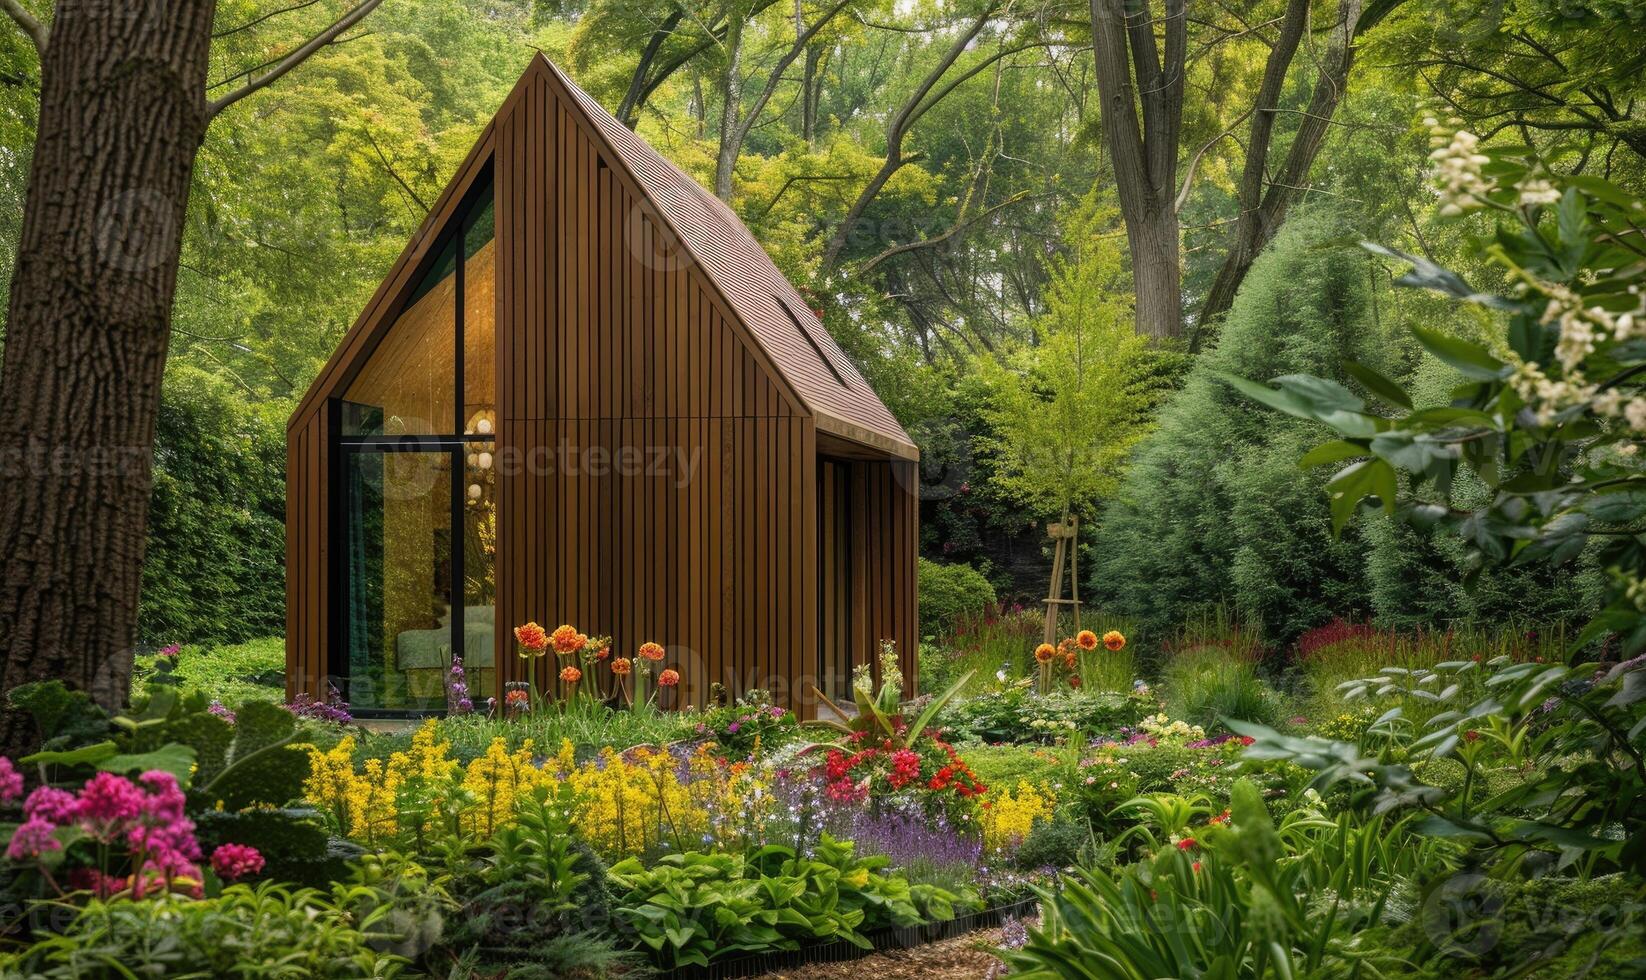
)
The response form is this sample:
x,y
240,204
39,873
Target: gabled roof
x,y
771,309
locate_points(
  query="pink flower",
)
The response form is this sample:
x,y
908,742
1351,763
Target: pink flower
x,y
171,650
11,781
52,805
232,861
165,801
32,838
107,802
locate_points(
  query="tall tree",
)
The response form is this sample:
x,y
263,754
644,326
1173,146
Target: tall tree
x,y
1140,81
1143,64
123,110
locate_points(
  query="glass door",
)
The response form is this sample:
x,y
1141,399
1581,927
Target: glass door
x,y
414,489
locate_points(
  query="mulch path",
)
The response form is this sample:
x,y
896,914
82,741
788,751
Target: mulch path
x,y
961,958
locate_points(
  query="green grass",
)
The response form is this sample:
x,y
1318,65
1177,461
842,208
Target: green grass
x,y
1004,765
1204,685
231,674
1339,652
547,728
1003,641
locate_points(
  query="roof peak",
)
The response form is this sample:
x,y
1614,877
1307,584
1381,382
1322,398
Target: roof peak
x,y
773,313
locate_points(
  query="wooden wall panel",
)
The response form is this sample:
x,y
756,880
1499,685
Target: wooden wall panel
x,y
307,483
648,483
655,482
885,531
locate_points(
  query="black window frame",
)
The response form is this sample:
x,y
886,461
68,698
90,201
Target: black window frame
x,y
457,444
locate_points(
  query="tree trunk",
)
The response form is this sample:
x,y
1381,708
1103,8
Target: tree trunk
x,y
731,110
1156,275
1263,210
121,118
1135,75
810,91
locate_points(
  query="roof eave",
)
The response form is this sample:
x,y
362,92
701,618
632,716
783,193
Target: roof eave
x,y
865,436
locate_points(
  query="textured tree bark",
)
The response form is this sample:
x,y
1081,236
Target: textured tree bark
x,y
731,105
1134,74
121,118
1263,209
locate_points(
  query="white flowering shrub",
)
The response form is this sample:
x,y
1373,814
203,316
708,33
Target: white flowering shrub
x,y
1550,419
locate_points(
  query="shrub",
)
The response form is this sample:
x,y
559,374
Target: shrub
x,y
753,721
1056,843
1007,765
1214,508
1244,899
214,565
948,592
1019,714
308,933
695,908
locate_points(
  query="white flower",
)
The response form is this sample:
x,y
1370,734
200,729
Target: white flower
x,y
1635,414
1456,175
1608,403
1536,190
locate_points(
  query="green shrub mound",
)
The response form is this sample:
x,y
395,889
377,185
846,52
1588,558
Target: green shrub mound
x,y
695,908
948,592
1214,509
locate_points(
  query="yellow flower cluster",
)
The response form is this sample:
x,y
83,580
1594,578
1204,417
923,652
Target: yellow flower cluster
x,y
497,780
1007,818
365,804
634,802
628,803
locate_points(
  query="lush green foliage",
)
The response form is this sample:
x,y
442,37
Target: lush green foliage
x,y
696,908
214,568
232,674
1243,899
948,592
1206,685
1016,713
1547,424
248,931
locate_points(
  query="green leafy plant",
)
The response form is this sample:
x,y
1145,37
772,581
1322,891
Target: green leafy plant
x,y
265,930
694,908
1020,714
1244,899
1549,422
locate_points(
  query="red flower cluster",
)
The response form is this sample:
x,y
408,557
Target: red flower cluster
x,y
905,768
956,775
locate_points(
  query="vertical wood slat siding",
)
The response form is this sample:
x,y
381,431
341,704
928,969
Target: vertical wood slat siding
x,y
307,480
608,340
619,358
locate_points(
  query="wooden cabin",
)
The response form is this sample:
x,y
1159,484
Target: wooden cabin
x,y
584,394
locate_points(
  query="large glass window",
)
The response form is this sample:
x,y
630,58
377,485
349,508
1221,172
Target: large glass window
x,y
417,536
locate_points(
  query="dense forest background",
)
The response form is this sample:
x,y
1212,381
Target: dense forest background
x,y
942,180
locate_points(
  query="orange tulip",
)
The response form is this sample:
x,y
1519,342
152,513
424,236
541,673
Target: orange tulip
x,y
571,675
1086,639
1114,640
669,677
621,666
1045,652
651,651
